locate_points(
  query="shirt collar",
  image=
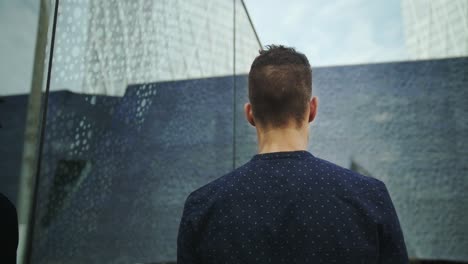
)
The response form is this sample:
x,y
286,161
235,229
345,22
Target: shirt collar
x,y
296,154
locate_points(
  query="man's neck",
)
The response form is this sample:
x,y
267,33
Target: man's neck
x,y
285,139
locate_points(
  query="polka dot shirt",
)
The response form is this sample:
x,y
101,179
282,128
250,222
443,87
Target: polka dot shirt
x,y
290,207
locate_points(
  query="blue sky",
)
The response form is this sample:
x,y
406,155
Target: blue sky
x,y
332,32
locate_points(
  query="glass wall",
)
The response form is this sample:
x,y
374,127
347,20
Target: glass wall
x,y
139,115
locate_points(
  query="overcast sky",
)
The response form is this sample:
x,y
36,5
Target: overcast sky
x,y
333,32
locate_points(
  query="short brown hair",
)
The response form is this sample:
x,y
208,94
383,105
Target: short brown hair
x,y
280,86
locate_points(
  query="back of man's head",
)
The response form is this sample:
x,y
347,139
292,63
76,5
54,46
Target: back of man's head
x,y
280,87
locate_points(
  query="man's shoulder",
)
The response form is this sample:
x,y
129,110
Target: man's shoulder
x,y
349,179
209,192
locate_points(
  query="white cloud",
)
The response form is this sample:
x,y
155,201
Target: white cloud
x,y
333,32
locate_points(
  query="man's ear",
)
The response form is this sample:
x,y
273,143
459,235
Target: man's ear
x,y
313,108
249,113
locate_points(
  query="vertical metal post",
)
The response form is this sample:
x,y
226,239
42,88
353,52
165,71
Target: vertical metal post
x,y
234,88
32,136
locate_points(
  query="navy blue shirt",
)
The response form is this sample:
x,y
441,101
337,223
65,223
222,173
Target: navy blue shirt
x,y
290,207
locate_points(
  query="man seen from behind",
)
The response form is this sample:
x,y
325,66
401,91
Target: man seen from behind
x,y
285,205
